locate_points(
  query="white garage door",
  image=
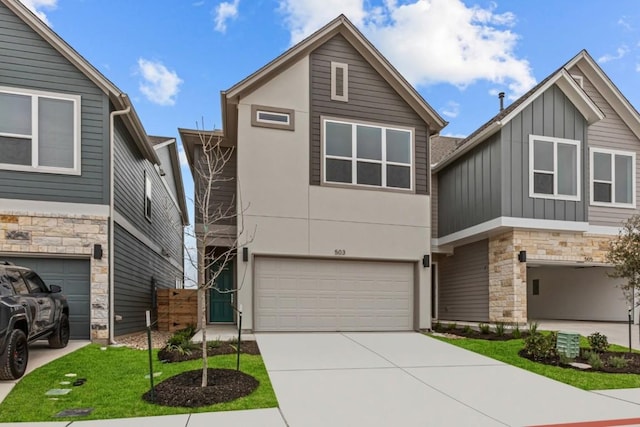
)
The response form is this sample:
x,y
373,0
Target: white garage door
x,y
326,295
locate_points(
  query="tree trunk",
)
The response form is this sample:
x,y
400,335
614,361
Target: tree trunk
x,y
202,292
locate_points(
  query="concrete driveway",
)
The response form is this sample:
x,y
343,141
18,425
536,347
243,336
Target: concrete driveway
x,y
408,379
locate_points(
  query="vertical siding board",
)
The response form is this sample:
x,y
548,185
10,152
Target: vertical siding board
x,y
370,99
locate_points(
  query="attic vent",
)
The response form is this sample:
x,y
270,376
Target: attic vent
x,y
339,82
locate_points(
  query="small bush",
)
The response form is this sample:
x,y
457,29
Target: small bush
x,y
598,342
437,326
500,328
485,328
540,346
594,360
214,344
565,360
533,328
515,332
452,326
467,329
618,362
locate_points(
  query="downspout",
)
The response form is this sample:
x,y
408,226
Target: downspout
x,y
112,286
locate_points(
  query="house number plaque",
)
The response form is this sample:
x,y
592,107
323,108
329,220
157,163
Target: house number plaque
x,y
339,252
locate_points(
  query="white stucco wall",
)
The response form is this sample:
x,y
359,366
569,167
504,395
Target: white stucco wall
x,y
291,217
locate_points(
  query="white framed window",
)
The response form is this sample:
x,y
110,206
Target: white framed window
x,y
613,178
147,196
368,155
272,117
39,131
339,81
554,168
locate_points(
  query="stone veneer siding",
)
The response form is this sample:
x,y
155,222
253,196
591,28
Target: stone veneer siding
x,y
66,236
508,276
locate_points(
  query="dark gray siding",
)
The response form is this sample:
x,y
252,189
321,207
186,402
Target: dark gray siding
x,y
463,284
469,188
165,226
135,266
223,195
370,99
553,115
28,61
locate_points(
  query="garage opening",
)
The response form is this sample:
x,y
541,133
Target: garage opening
x,y
74,277
329,295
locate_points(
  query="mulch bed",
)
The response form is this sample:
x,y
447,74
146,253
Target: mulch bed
x,y
171,356
184,390
633,362
490,336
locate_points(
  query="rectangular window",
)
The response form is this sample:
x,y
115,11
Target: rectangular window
x,y
39,131
367,155
272,117
554,165
339,81
147,196
613,181
536,287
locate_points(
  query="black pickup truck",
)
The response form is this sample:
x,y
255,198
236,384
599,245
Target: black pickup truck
x,y
29,311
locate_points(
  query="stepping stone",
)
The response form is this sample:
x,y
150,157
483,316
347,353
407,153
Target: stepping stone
x,y
80,412
58,392
579,365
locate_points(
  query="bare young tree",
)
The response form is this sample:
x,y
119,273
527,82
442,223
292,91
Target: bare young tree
x,y
219,222
624,255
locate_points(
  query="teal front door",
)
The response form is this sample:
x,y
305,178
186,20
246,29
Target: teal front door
x,y
220,302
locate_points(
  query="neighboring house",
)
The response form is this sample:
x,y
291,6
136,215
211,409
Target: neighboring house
x,y
108,232
331,161
527,204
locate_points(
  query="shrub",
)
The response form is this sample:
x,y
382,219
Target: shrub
x,y
598,342
594,360
484,328
618,362
452,326
565,360
467,329
437,326
515,332
541,346
500,328
533,328
180,341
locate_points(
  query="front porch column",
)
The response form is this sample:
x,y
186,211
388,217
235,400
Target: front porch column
x,y
507,280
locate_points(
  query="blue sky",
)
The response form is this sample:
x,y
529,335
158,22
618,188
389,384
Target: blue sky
x,y
174,56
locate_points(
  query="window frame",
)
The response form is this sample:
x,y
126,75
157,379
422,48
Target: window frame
x,y
256,121
345,81
35,96
532,171
148,196
354,159
613,154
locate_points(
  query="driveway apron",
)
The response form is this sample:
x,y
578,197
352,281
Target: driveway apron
x,y
408,379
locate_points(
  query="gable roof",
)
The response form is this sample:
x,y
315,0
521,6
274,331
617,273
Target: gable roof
x,y
119,99
171,146
442,146
561,78
340,25
193,137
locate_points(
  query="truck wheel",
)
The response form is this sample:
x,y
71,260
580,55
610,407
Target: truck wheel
x,y
13,362
60,337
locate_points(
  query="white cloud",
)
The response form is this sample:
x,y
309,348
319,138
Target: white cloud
x,y
224,12
429,41
625,24
36,7
183,157
620,52
159,85
452,109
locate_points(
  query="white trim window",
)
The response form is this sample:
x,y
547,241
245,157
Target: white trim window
x,y
554,168
367,155
613,180
147,196
39,131
339,81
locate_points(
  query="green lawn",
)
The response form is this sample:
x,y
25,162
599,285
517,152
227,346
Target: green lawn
x,y
507,351
115,383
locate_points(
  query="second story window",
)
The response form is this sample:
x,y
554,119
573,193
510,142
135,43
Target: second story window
x,y
554,168
39,131
339,81
147,196
613,178
367,155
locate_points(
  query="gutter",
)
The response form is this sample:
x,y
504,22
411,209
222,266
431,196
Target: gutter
x,y
112,116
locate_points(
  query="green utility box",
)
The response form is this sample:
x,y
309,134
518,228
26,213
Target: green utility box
x,y
568,344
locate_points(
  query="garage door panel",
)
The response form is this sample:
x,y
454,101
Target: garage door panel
x,y
326,295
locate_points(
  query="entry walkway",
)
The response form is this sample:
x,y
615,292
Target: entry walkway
x,y
385,379
617,333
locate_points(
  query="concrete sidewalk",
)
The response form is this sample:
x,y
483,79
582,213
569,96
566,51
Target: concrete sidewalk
x,y
408,379
616,332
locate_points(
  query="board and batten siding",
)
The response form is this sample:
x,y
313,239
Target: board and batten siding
x,y
551,114
224,194
469,188
434,205
463,285
27,61
135,266
165,227
610,133
371,99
